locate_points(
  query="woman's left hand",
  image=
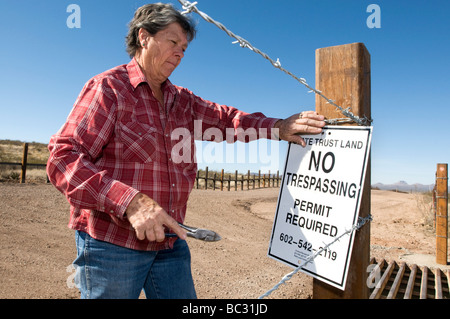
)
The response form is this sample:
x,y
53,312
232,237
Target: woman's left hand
x,y
308,122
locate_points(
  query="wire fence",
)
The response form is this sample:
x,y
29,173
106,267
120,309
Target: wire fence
x,y
213,180
189,7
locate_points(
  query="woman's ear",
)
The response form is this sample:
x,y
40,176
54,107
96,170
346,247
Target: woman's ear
x,y
143,36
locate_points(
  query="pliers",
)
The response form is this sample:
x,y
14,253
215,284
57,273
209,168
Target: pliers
x,y
198,233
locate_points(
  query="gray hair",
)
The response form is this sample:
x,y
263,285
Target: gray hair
x,y
153,18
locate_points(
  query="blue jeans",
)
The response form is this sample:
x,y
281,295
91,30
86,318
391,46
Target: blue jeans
x,y
104,270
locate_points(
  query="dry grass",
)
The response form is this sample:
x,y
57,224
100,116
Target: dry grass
x,y
12,152
424,202
9,173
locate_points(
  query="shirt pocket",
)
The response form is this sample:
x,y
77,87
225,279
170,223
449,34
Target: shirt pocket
x,y
139,141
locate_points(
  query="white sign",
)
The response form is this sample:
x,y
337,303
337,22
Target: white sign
x,y
319,200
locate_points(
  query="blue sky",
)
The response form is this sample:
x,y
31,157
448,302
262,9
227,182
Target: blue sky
x,y
45,64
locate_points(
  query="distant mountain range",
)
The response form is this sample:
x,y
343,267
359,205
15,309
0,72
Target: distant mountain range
x,y
403,186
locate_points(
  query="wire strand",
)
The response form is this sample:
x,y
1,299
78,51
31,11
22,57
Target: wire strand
x,y
189,7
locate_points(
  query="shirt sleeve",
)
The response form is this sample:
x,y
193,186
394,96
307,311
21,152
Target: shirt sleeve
x,y
233,124
78,144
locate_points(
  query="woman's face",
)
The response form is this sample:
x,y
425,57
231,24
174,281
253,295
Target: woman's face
x,y
162,53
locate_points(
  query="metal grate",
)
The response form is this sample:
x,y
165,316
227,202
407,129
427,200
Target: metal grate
x,y
408,281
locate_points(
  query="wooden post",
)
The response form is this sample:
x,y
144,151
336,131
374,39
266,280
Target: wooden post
x,y
197,177
343,75
441,213
259,179
206,178
24,163
278,178
434,203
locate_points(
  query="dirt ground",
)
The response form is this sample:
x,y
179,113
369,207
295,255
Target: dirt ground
x,y
37,248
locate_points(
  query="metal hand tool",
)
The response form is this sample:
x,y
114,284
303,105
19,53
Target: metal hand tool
x,y
198,233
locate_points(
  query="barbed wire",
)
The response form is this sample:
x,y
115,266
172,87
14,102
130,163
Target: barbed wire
x,y
189,7
361,223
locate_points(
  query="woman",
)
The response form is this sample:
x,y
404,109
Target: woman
x,y
114,160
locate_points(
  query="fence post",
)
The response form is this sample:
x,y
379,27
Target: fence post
x,y
24,163
197,177
278,178
343,74
259,179
441,213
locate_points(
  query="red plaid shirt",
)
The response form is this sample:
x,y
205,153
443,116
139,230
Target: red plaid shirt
x,y
118,141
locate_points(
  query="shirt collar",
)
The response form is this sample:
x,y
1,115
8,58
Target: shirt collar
x,y
135,73
137,77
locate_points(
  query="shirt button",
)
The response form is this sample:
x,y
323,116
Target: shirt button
x,y
173,185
